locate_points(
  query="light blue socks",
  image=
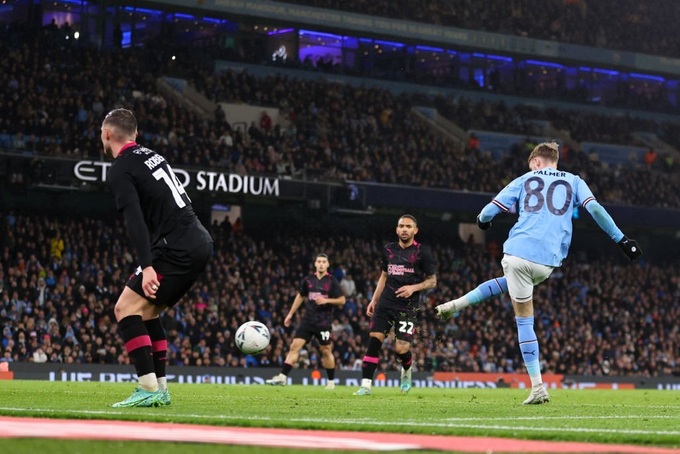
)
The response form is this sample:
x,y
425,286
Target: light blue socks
x,y
528,345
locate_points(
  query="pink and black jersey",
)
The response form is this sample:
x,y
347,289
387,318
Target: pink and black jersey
x,y
405,266
143,177
313,287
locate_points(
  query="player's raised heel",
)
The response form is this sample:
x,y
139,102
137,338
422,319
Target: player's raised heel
x,y
141,398
277,380
538,396
363,391
406,380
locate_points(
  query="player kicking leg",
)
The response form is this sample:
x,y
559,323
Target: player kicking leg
x,y
486,290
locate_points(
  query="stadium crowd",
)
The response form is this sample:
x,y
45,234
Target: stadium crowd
x,y
331,130
648,27
60,278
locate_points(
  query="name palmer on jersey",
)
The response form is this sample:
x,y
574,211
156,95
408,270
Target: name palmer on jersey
x,y
551,173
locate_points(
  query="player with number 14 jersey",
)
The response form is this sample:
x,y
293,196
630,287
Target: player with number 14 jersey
x,y
141,175
171,245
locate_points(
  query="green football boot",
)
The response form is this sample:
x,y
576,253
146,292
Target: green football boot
x,y
165,399
142,398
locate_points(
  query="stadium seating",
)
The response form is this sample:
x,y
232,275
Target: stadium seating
x,y
594,316
613,24
334,130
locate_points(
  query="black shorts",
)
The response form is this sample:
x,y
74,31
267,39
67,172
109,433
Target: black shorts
x,y
402,320
178,261
308,330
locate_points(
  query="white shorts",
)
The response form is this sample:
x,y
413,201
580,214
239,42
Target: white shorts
x,y
522,275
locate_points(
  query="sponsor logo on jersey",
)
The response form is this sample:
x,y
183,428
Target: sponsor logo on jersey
x,y
399,270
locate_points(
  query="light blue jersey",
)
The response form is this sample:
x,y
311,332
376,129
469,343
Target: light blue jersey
x,y
546,200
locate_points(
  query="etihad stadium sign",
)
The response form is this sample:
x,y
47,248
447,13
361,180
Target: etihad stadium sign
x,y
199,180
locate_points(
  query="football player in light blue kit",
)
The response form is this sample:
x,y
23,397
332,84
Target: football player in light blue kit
x,y
536,245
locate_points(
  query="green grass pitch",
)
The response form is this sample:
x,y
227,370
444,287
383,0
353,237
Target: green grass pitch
x,y
642,417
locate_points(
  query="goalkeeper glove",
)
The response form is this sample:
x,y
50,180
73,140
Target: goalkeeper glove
x,y
630,247
483,225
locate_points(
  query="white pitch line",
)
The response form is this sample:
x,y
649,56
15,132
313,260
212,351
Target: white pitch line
x,y
353,422
619,406
558,418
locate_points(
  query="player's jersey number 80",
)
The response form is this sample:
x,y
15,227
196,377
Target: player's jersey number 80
x,y
534,200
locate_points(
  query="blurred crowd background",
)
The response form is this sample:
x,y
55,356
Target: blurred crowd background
x,y
60,275
597,315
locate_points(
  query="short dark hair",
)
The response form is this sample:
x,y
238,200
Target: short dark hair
x,y
409,216
123,120
321,254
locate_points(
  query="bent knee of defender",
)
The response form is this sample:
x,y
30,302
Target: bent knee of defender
x,y
130,303
401,347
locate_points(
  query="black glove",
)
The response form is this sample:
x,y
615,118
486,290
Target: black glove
x,y
630,247
483,225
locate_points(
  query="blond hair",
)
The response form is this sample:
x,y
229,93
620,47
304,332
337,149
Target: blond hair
x,y
547,150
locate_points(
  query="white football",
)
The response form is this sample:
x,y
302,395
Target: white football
x,y
252,337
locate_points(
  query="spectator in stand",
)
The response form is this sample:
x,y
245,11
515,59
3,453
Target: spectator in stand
x,y
472,143
650,157
348,286
265,122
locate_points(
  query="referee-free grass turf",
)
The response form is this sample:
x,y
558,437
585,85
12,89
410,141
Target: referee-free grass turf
x,y
643,417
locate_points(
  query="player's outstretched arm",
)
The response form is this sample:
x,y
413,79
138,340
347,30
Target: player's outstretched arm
x,y
629,246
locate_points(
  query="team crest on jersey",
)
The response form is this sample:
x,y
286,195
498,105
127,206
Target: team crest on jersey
x,y
142,150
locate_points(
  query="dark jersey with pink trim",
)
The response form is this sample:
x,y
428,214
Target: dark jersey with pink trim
x,y
312,287
405,266
140,175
